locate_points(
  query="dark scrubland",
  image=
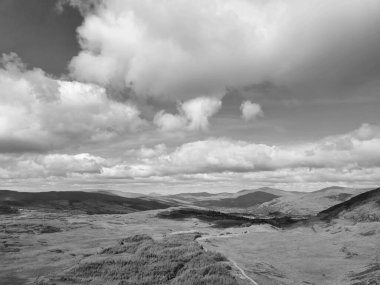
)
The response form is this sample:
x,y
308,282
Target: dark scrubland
x,y
141,260
6,210
22,228
79,201
224,220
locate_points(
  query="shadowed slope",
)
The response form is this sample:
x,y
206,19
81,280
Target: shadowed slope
x,y
90,203
363,206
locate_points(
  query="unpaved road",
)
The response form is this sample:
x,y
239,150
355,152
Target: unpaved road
x,y
243,272
229,259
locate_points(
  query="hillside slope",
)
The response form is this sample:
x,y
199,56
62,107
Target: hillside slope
x,y
310,203
90,203
243,201
363,207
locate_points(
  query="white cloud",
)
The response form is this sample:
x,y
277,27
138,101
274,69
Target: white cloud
x,y
199,110
366,132
250,111
169,122
193,114
38,113
343,159
186,49
339,152
64,164
51,165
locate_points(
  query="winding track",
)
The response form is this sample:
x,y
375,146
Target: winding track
x,y
243,272
229,259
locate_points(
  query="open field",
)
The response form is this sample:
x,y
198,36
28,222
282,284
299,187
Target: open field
x,y
322,254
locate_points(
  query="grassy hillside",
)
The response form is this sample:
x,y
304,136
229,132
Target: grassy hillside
x,y
363,207
225,199
90,203
243,201
307,203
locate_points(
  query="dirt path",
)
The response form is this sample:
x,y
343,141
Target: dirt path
x,y
243,272
229,259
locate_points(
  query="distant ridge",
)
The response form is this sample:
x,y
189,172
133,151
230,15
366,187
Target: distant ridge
x,y
260,189
119,193
329,188
242,201
199,194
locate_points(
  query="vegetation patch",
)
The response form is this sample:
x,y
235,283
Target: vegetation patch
x,y
224,220
6,210
138,260
23,228
370,275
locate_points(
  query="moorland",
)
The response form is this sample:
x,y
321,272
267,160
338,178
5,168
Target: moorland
x,y
254,236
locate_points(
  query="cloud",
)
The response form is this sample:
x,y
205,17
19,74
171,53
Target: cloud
x,y
51,165
347,159
250,111
64,164
186,49
193,115
169,122
199,110
40,113
350,151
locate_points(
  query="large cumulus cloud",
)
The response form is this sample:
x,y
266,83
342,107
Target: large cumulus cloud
x,y
40,113
185,49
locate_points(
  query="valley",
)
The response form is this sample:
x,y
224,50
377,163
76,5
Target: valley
x,y
50,246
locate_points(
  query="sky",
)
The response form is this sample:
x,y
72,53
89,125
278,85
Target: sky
x,y
187,96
